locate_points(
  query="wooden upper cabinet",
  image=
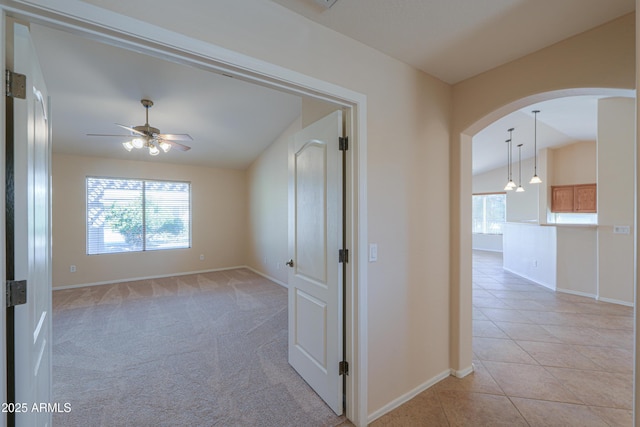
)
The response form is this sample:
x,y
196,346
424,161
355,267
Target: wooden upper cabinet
x,y
574,198
585,198
562,198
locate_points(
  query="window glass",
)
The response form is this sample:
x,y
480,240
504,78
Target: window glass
x,y
489,213
126,215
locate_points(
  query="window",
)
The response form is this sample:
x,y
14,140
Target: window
x,y
127,215
489,213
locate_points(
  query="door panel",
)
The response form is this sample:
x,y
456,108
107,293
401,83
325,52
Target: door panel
x,y
315,278
32,244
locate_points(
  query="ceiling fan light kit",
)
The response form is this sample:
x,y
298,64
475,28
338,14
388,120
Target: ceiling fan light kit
x,y
146,136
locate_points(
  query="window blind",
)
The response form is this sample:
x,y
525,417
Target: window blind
x,y
127,215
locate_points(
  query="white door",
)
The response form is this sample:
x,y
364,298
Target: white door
x,y
315,276
32,241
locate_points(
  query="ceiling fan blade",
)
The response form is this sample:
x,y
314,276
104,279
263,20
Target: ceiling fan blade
x,y
130,129
105,134
175,136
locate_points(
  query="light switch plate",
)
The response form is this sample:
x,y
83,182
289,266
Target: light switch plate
x,y
373,252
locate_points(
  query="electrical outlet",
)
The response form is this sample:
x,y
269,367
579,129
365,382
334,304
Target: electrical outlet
x,y
621,229
201,257
279,266
535,262
72,268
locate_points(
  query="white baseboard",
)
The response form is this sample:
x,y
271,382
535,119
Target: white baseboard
x,y
266,276
546,285
615,301
487,250
462,372
110,282
578,293
408,396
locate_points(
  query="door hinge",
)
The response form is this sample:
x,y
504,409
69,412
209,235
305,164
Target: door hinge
x,y
343,368
343,143
343,255
15,85
16,292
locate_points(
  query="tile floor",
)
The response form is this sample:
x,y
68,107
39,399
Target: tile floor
x,y
541,358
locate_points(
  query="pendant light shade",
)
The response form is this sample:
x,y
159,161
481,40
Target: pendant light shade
x,y
520,189
535,179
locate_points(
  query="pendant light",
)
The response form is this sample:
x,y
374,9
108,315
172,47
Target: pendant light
x,y
510,184
535,179
508,187
520,189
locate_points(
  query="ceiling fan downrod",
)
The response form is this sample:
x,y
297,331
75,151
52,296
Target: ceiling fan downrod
x,y
146,129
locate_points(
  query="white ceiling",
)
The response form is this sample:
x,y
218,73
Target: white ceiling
x,y
93,86
561,121
457,39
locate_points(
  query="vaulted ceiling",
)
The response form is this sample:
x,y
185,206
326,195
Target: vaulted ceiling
x,y
94,86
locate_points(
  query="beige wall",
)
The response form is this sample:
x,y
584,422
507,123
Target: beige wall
x,y
408,124
574,164
219,209
616,169
577,261
267,183
603,57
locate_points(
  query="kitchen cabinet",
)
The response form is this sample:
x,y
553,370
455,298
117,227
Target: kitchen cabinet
x,y
580,198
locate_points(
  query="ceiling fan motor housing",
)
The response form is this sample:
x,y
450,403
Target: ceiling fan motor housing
x,y
147,130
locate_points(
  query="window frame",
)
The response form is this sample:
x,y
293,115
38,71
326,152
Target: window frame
x,y
484,232
144,181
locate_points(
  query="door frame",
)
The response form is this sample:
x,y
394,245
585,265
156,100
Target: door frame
x,y
112,28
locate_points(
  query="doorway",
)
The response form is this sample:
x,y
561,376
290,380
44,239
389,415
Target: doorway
x,y
355,329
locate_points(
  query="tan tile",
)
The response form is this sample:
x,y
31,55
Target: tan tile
x,y
530,381
524,304
423,410
613,390
506,315
539,413
614,417
607,321
560,355
501,350
478,381
527,332
599,307
482,294
555,318
479,410
488,302
575,334
609,359
477,314
487,329
615,338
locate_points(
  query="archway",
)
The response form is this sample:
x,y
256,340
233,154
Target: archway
x,y
462,270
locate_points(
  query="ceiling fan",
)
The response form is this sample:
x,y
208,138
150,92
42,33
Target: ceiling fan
x,y
146,136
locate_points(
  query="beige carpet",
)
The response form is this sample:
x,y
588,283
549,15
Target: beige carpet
x,y
199,350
